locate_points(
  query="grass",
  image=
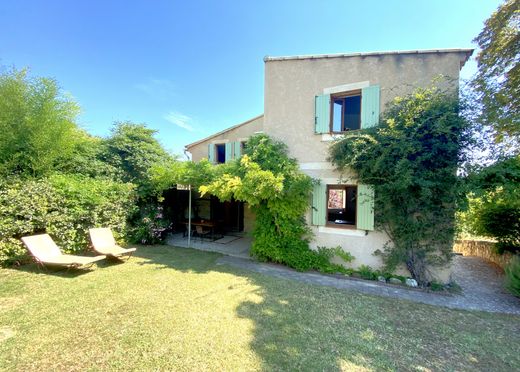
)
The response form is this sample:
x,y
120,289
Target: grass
x,y
177,309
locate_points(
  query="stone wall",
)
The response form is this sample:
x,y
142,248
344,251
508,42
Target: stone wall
x,y
483,249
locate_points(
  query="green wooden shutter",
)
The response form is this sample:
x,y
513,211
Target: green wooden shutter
x,y
322,113
369,106
319,205
238,149
211,152
229,151
365,207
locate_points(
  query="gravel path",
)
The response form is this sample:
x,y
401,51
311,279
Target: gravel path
x,y
481,284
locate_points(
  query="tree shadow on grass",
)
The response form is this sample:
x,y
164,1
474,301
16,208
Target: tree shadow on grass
x,y
304,327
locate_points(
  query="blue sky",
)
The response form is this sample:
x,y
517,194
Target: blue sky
x,y
189,69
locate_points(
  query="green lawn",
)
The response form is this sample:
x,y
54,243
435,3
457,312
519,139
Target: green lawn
x,y
171,308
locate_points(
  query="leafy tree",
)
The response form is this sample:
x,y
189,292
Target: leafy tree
x,y
494,204
133,149
37,122
498,78
411,158
87,158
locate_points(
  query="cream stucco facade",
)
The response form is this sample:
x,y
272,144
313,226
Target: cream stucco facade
x,y
236,133
240,132
291,85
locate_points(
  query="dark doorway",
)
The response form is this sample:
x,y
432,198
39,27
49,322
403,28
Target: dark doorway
x,y
228,215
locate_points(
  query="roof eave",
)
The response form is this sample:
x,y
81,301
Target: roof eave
x,y
222,132
467,51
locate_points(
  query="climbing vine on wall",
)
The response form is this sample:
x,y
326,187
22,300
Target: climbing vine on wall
x,y
270,182
272,185
411,158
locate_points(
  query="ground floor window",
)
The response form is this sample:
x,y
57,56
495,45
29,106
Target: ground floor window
x,y
341,205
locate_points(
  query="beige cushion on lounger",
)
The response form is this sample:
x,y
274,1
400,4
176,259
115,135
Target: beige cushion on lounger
x,y
103,242
43,248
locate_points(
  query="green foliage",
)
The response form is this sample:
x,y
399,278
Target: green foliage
x,y
140,159
411,158
63,206
151,226
268,180
494,204
37,123
133,150
40,138
502,222
366,272
336,251
498,76
87,159
436,286
504,173
271,183
513,276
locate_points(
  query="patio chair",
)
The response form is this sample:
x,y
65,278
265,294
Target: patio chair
x,y
202,231
103,242
47,253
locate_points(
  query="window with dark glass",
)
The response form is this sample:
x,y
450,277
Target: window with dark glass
x,y
341,205
346,112
220,153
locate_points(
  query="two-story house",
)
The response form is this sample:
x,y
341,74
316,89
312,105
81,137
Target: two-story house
x,y
308,100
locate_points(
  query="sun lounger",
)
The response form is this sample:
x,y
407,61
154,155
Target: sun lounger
x,y
104,243
46,252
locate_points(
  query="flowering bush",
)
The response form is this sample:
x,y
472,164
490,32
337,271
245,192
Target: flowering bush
x,y
150,227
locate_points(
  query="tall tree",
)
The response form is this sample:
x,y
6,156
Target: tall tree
x,y
497,81
133,149
37,124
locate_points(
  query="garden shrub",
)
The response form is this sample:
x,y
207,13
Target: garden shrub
x,y
494,204
149,226
503,223
63,206
366,272
513,276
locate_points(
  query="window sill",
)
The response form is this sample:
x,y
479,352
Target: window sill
x,y
329,137
341,231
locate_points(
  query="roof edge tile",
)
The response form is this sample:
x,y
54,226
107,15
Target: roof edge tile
x,y
468,52
222,132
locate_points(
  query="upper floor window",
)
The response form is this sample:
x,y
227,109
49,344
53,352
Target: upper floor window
x,y
350,110
345,112
220,153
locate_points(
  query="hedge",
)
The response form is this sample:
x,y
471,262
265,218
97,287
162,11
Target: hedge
x,y
65,207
